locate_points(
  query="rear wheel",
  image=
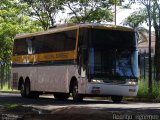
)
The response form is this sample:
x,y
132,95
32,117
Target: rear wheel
x,y
28,92
76,96
116,99
61,96
27,89
22,90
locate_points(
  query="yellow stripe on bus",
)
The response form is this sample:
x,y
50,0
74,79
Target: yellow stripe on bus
x,y
19,59
57,56
69,55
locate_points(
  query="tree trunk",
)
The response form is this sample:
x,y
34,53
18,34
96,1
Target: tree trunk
x,y
157,52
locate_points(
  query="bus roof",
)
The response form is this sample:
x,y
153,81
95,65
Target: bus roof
x,y
72,26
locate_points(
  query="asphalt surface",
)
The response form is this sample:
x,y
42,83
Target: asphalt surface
x,y
13,107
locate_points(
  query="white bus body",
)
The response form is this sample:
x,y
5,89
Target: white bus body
x,y
62,77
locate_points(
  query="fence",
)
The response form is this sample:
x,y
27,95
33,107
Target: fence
x,y
144,66
5,74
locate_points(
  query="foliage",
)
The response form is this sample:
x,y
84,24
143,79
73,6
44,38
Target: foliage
x,y
118,2
141,16
136,18
7,88
143,90
44,11
87,11
12,22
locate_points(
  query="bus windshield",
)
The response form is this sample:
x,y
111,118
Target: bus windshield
x,y
113,55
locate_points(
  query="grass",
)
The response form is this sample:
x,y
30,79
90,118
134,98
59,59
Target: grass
x,y
10,106
156,91
143,90
7,89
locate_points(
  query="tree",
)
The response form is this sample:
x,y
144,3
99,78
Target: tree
x,y
44,11
156,25
154,11
134,21
12,22
87,11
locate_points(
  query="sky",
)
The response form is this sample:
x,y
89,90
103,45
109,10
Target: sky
x,y
121,14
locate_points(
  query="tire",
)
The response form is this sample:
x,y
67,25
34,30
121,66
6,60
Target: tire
x,y
27,89
61,96
29,93
76,96
22,90
116,99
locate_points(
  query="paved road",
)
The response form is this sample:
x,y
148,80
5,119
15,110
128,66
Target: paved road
x,y
46,107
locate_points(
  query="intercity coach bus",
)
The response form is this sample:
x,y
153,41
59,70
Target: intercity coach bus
x,y
77,59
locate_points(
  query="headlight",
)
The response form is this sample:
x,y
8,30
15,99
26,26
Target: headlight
x,y
132,83
97,81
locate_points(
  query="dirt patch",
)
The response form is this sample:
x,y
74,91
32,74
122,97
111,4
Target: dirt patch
x,y
66,113
75,113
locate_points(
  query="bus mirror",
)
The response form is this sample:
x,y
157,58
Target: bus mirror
x,y
83,72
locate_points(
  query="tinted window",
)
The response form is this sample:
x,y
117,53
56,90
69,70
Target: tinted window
x,y
20,47
63,41
113,39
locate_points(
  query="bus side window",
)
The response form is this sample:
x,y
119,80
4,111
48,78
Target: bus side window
x,y
20,47
70,40
37,43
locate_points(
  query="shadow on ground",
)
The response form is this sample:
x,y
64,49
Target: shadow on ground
x,y
12,108
78,113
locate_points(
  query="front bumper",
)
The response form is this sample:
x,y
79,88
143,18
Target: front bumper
x,y
111,89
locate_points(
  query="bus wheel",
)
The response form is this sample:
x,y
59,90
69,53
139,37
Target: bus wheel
x,y
61,96
76,96
116,99
22,90
27,89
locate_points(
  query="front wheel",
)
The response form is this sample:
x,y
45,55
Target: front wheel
x,y
76,96
116,99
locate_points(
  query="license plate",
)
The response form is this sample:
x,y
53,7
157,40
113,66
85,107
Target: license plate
x,y
95,91
132,90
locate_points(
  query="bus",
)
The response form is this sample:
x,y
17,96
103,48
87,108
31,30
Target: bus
x,y
77,59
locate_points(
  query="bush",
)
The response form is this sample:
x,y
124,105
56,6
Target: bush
x,y
156,90
143,90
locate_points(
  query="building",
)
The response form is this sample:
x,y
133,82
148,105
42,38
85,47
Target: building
x,y
144,46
